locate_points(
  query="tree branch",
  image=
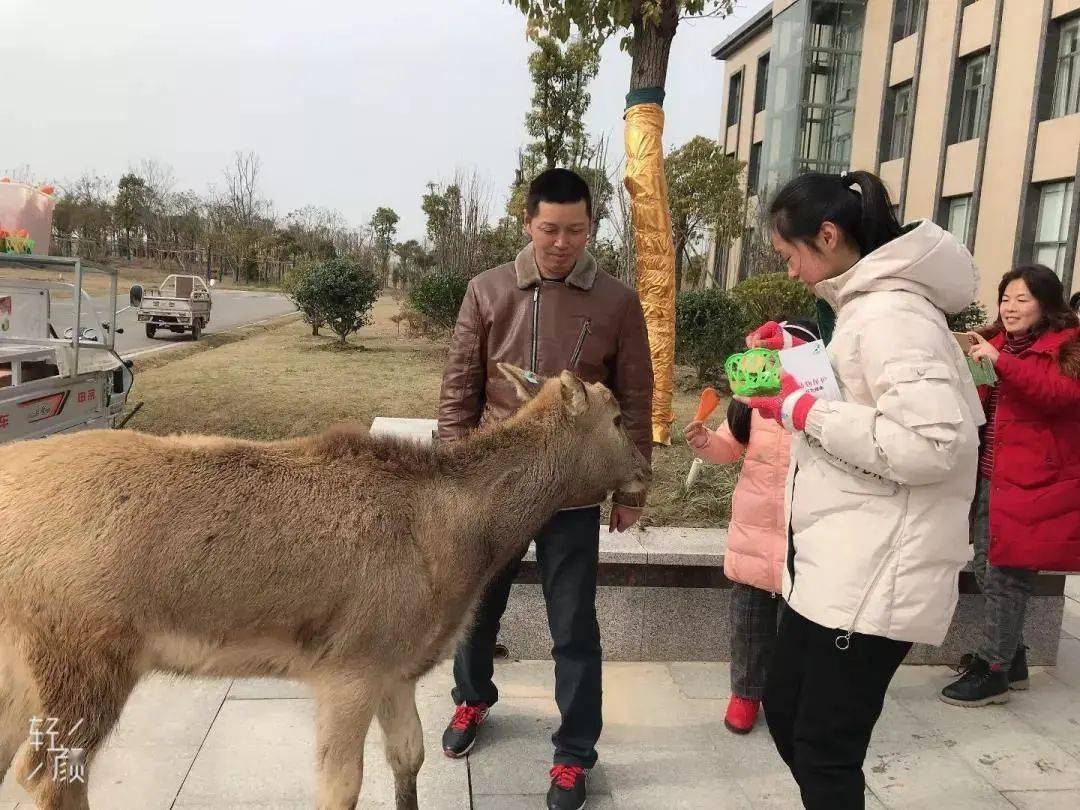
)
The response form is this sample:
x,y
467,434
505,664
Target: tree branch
x,y
716,14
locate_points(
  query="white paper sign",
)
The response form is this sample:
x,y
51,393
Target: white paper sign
x,y
809,364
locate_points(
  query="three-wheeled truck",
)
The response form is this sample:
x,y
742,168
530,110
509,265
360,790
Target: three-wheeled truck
x,y
180,304
59,371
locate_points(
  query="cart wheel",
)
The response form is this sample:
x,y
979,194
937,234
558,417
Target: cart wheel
x,y
196,330
151,330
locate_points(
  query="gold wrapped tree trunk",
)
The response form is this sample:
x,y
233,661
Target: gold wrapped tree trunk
x,y
655,250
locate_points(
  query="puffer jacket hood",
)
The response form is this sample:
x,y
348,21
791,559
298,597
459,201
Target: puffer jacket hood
x,y
926,260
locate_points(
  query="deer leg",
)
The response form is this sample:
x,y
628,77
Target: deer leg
x,y
18,702
404,740
81,692
343,711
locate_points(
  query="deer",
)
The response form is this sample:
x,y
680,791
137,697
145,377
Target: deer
x,y
348,562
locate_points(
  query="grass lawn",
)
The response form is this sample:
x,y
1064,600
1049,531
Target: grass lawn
x,y
281,381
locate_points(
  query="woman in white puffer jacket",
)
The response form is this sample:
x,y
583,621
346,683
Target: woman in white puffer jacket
x,y
881,482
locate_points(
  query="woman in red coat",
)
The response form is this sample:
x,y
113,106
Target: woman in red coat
x,y
1026,514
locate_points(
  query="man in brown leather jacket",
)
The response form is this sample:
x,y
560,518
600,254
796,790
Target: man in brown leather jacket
x,y
549,310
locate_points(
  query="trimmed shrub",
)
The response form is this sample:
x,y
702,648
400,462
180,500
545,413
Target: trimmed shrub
x,y
709,325
773,297
436,298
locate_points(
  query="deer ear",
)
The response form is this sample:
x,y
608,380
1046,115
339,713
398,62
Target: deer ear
x,y
573,394
526,383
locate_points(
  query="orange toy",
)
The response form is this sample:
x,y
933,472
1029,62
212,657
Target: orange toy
x,y
709,400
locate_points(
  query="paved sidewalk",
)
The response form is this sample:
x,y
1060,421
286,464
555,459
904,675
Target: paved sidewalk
x,y
248,745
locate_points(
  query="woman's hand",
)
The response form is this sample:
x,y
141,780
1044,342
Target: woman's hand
x,y
981,350
696,435
772,335
772,407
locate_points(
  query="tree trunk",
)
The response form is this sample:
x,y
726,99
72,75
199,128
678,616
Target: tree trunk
x,y
680,250
651,47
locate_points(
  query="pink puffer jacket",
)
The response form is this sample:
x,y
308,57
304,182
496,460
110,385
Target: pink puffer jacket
x,y
756,543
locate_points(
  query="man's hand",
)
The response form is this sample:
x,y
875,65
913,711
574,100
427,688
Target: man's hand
x,y
622,518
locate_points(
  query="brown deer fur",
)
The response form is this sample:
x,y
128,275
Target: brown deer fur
x,y
348,562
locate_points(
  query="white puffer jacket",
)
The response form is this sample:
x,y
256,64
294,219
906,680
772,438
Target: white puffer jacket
x,y
881,483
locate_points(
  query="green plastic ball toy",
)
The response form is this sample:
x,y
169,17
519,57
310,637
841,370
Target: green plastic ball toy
x,y
753,373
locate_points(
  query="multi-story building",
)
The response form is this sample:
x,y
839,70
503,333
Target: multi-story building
x,y
968,109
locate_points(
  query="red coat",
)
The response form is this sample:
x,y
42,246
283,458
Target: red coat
x,y
1035,485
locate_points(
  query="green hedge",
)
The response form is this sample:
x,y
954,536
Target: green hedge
x,y
773,297
437,297
712,324
709,325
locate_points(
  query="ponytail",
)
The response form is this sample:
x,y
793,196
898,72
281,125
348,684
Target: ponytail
x,y
856,202
738,421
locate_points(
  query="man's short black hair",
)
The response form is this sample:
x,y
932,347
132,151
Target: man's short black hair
x,y
557,186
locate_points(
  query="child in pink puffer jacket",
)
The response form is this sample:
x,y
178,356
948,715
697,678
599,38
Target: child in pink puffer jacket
x,y
756,541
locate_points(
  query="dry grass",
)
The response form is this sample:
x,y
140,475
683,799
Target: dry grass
x,y
708,502
284,382
273,382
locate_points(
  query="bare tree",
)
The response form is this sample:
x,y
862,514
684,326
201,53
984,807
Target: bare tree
x,y
622,224
159,180
458,223
22,174
242,189
83,218
245,215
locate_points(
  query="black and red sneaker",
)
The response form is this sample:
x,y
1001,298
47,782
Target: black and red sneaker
x,y
567,791
979,684
460,735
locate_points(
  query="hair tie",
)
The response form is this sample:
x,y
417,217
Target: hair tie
x,y
787,327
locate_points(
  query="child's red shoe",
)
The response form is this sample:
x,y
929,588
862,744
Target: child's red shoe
x,y
741,715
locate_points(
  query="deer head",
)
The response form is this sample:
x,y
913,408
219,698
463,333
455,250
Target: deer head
x,y
589,437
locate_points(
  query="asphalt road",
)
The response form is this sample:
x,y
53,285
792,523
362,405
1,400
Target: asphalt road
x,y
231,308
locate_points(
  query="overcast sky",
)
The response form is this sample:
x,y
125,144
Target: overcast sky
x,y
351,104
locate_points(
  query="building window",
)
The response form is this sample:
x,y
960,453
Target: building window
x,y
906,19
746,263
898,122
1067,72
957,210
814,59
974,95
1052,225
761,83
734,99
830,84
753,169
720,264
